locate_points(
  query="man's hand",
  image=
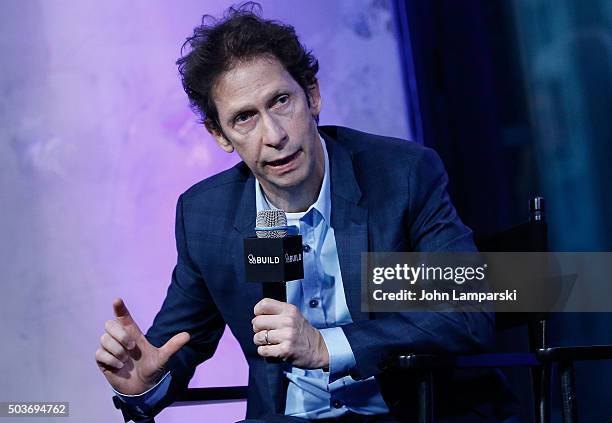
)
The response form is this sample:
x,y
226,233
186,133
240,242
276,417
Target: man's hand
x,y
127,359
289,336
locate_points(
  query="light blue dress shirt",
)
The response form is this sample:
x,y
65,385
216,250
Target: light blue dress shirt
x,y
312,394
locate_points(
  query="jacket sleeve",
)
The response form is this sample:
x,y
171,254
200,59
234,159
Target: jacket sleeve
x,y
189,307
432,224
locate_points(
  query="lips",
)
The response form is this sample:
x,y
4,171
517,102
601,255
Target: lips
x,y
283,161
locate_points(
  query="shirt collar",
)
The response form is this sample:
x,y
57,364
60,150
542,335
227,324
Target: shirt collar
x,y
323,202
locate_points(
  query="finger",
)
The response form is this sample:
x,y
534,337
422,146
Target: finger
x,y
260,338
122,313
104,358
111,345
270,322
275,351
269,306
172,346
118,332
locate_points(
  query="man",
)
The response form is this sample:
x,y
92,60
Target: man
x,y
256,90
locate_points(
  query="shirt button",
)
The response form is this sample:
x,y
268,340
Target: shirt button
x,y
337,403
306,248
313,303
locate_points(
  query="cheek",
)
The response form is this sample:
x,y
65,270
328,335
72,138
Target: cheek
x,y
248,154
300,123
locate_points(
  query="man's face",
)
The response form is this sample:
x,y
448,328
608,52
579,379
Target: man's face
x,y
265,116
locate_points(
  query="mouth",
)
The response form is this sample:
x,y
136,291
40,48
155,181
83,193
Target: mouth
x,y
284,161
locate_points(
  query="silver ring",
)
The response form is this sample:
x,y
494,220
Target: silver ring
x,y
266,338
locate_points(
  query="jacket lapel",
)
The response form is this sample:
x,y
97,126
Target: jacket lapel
x,y
244,224
349,221
244,220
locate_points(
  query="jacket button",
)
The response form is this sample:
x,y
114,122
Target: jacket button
x,y
306,248
313,303
337,403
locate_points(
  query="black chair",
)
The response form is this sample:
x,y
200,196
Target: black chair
x,y
528,237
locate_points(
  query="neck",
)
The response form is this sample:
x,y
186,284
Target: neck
x,y
296,200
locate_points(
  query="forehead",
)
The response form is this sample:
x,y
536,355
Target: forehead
x,y
249,83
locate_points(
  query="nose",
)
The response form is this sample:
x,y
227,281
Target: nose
x,y
274,134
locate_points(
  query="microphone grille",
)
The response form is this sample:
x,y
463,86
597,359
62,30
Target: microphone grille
x,y
271,219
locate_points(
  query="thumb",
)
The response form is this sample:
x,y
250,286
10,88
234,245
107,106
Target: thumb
x,y
172,346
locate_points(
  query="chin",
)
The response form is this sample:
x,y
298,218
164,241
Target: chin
x,y
289,182
291,179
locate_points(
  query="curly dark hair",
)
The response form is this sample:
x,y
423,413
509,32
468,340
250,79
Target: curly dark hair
x,y
217,45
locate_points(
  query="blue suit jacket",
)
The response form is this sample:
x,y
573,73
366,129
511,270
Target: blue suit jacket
x,y
387,195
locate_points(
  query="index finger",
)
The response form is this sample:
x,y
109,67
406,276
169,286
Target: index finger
x,y
122,313
269,306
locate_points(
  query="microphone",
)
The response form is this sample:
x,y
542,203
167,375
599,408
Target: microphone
x,y
273,257
271,224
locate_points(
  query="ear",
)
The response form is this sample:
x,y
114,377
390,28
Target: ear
x,y
220,139
314,97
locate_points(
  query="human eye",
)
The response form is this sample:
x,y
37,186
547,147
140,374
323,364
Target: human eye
x,y
281,100
242,118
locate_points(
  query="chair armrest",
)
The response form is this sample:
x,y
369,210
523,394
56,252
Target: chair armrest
x,y
197,396
591,352
431,362
522,359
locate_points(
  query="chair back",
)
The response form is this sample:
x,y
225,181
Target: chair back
x,y
531,236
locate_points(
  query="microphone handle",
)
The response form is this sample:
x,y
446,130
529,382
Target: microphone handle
x,y
276,291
